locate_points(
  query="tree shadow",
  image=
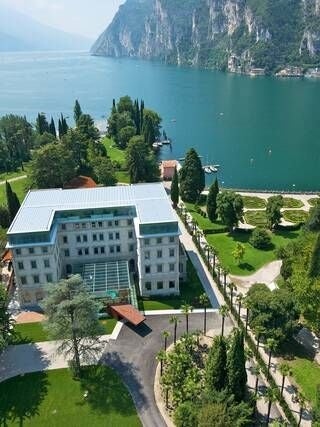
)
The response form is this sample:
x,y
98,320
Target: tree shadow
x,y
246,266
142,330
21,397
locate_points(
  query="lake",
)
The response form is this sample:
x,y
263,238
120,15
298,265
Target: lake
x,y
264,132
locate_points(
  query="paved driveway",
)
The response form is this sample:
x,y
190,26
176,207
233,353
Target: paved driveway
x,y
133,356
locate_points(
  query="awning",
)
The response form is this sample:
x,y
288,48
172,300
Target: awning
x,y
127,312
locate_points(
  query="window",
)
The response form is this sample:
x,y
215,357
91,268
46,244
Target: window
x,y
147,242
171,252
172,284
109,223
159,268
129,221
147,269
117,236
23,280
33,264
65,239
80,252
147,255
67,253
111,248
36,279
77,226
102,250
159,254
148,286
159,240
86,251
130,234
94,237
101,236
171,239
49,278
160,285
84,225
31,250
116,223
20,265
46,263
79,239
18,251
131,248
118,249
100,225
110,236
180,267
85,238
96,251
93,225
44,250
171,267
63,226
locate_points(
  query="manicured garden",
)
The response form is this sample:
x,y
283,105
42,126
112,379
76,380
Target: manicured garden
x,y
254,202
35,332
117,155
296,217
256,218
54,398
291,203
254,259
190,292
313,201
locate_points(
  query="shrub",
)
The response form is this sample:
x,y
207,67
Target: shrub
x,y
260,238
185,415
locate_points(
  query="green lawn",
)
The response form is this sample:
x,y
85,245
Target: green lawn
x,y
205,223
35,332
113,151
189,293
20,187
296,217
313,201
253,202
254,259
256,218
54,398
123,177
290,202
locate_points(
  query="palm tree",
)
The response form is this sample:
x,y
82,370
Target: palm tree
x,y
161,357
285,371
204,301
197,334
239,301
214,259
270,397
218,274
186,309
223,310
232,287
302,403
259,331
225,273
246,304
207,249
174,321
165,335
256,372
271,345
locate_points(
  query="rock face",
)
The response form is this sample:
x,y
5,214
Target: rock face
x,y
241,35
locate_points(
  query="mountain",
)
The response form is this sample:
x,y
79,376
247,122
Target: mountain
x,y
19,32
238,35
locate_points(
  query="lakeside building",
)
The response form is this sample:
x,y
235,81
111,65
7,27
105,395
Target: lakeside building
x,y
110,235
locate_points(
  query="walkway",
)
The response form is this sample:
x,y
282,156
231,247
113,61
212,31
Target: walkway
x,y
17,178
267,274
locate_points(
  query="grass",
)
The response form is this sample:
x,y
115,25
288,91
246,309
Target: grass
x,y
253,202
114,152
205,223
54,398
313,201
19,172
35,332
123,177
20,187
189,294
256,218
290,202
296,217
254,259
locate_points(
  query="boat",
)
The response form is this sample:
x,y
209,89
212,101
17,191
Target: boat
x,y
173,120
213,169
157,144
166,142
208,170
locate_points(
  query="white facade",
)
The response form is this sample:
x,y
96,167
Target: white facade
x,y
96,225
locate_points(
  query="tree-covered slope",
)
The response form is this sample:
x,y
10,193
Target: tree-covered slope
x,y
216,33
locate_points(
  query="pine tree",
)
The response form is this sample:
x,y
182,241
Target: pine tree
x,y
216,367
60,131
77,112
192,178
12,201
212,201
141,114
236,367
52,128
114,107
137,118
175,189
42,124
63,126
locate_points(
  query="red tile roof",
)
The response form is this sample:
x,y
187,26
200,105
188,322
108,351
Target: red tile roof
x,y
80,182
169,163
128,312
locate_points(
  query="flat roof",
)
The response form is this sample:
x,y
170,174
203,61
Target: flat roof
x,y
39,206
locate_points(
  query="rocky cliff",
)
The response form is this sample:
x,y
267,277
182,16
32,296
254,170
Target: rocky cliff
x,y
236,34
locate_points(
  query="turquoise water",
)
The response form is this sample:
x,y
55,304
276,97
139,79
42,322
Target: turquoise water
x,y
264,132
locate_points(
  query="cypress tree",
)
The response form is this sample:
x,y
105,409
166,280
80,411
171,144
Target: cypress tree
x,y
77,112
52,128
137,118
60,129
141,114
175,188
192,178
212,201
12,201
63,126
42,124
114,107
216,367
236,367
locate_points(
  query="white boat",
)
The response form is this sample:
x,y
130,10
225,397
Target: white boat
x,y
157,144
208,170
166,142
213,169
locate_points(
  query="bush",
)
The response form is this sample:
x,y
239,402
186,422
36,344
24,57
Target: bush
x,y
185,415
260,238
